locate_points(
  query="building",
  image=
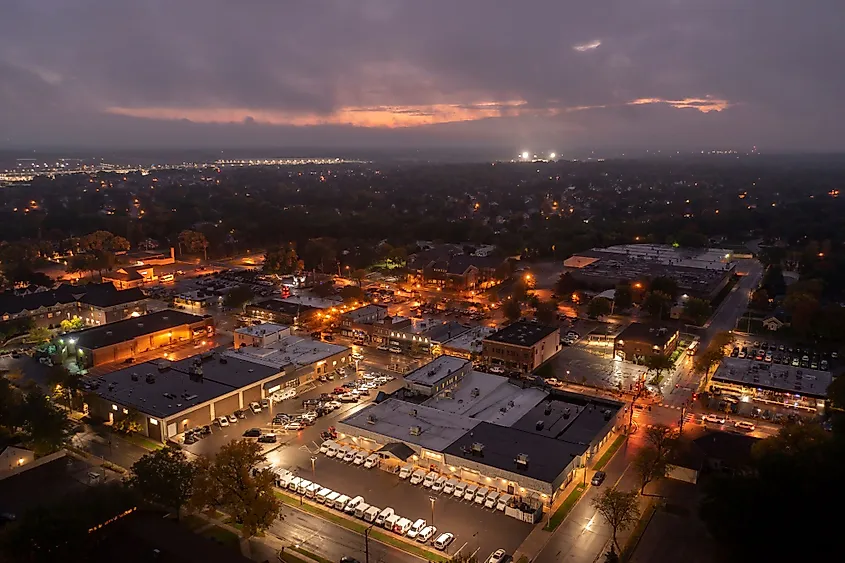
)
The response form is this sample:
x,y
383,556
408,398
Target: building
x,y
467,345
485,430
437,334
157,257
197,299
130,276
281,312
639,341
776,321
166,398
260,336
357,323
777,384
701,273
521,346
11,458
95,304
128,338
437,375
449,266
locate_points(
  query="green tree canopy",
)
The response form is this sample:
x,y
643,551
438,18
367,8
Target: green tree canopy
x,y
619,509
546,312
598,307
238,296
44,425
623,296
657,303
164,477
697,310
512,309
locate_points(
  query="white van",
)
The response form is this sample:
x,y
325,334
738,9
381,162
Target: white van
x,y
341,502
324,447
331,498
312,490
359,458
417,477
391,521
361,509
383,515
430,478
371,514
416,528
284,479
481,494
371,461
353,504
303,486
460,489
470,492
503,501
492,497
332,450
402,526
449,486
322,494
281,395
294,483
405,471
437,486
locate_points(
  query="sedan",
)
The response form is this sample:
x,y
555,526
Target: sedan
x,y
498,556
267,439
744,426
255,407
232,419
223,421
714,418
295,425
598,478
253,433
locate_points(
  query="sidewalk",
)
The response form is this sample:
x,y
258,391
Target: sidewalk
x,y
539,537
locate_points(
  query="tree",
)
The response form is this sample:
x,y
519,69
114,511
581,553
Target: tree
x,y
231,482
193,241
652,461
619,509
658,363
351,293
323,289
802,307
44,425
623,297
164,477
546,312
512,309
760,300
238,296
519,291
66,385
598,307
127,425
565,284
611,556
657,303
714,352
697,310
358,275
39,335
666,285
70,325
282,260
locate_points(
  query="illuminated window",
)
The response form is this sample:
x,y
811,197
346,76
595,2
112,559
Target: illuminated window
x,y
154,422
114,407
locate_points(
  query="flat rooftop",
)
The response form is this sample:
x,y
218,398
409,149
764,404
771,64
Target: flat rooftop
x,y
179,387
546,459
522,333
284,307
436,370
470,341
776,377
573,418
288,350
445,331
129,329
264,329
487,397
652,334
316,302
395,418
365,312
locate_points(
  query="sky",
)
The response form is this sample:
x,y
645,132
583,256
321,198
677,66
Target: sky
x,y
532,75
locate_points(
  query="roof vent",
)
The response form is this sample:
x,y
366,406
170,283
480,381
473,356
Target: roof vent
x,y
477,448
415,431
372,419
566,414
150,378
540,425
134,376
522,461
109,333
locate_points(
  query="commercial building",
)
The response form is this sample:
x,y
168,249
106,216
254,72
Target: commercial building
x,y
167,398
131,276
95,304
357,323
407,334
467,345
701,273
128,338
486,430
437,375
260,336
770,383
639,341
157,257
281,312
521,346
443,332
450,267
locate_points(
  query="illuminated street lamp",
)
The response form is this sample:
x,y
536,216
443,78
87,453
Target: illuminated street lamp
x,y
433,500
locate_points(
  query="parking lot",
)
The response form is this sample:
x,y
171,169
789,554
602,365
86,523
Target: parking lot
x,y
795,355
474,526
576,364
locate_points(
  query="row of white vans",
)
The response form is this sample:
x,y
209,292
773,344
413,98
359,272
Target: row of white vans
x,y
418,530
430,480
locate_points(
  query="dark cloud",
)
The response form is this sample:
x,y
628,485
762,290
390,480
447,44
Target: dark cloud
x,y
67,68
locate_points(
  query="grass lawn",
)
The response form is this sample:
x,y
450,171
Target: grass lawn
x,y
563,510
310,555
222,535
193,522
606,456
637,533
359,527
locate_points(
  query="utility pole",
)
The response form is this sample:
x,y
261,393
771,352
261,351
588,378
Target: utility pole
x,y
367,543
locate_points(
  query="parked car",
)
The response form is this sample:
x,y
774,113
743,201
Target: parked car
x,y
223,421
497,370
294,425
598,478
253,433
443,541
426,534
498,556
267,438
255,407
371,461
232,419
714,418
744,426
240,413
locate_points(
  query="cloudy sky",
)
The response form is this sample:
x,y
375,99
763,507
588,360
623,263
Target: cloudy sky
x,y
527,74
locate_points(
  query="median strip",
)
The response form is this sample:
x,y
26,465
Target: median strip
x,y
606,456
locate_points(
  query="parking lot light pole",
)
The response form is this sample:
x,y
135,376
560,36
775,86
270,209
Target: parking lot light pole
x,y
367,543
313,466
433,500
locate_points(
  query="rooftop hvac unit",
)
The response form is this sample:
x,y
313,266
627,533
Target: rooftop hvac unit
x,y
539,425
134,376
522,460
163,365
477,448
415,431
150,378
371,419
475,392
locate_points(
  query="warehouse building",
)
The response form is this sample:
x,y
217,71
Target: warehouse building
x,y
486,430
126,339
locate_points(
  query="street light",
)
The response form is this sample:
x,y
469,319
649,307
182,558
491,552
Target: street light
x,y
367,543
313,466
433,500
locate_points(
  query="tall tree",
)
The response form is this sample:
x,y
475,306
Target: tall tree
x,y
193,241
619,509
164,477
623,297
512,309
598,307
697,310
652,461
657,364
238,296
231,482
546,312
565,285
45,425
70,325
657,303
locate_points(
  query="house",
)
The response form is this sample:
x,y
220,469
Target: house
x,y
130,276
12,457
776,321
